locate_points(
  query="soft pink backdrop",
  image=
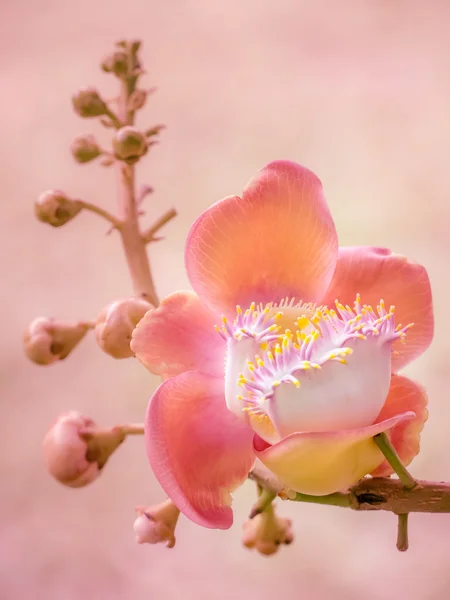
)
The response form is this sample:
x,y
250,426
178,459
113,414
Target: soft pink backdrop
x,y
359,92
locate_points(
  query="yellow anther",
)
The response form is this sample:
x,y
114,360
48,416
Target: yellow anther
x,y
296,382
342,361
332,355
270,356
288,333
301,337
314,335
239,397
339,306
250,366
276,383
302,322
260,362
252,307
278,349
273,328
278,315
217,328
238,309
224,320
264,346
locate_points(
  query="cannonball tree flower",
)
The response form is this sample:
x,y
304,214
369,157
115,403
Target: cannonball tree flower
x,y
289,376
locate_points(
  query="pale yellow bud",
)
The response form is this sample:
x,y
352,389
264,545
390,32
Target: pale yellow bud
x,y
56,208
47,340
130,144
116,323
84,148
266,532
88,103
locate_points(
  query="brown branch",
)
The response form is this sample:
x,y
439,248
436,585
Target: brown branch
x,y
377,493
390,495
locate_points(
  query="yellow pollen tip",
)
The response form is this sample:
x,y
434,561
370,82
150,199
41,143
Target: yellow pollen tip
x,y
238,309
270,356
260,362
276,383
217,328
296,382
278,349
252,307
302,322
264,346
224,319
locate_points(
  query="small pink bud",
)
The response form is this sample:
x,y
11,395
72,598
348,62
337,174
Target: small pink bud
x,y
266,532
47,340
116,323
84,148
137,99
56,208
156,524
76,450
130,144
116,63
88,103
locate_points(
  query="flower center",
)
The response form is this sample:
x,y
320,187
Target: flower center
x,y
330,369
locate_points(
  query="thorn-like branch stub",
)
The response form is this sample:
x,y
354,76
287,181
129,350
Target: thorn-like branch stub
x,y
149,235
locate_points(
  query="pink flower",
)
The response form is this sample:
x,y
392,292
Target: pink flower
x,y
286,378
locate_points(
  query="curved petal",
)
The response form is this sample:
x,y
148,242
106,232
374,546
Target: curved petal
x,y
179,336
198,450
277,241
321,463
377,273
404,394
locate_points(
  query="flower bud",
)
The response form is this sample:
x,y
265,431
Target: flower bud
x,y
156,524
137,99
76,450
47,340
56,208
116,323
84,148
129,144
266,532
88,103
116,63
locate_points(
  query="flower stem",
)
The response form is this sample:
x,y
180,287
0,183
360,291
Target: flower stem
x,y
402,532
133,429
383,443
115,222
133,244
337,499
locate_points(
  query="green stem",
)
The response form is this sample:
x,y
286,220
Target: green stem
x,y
383,443
337,499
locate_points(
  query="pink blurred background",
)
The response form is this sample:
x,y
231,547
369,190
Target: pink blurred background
x,y
357,91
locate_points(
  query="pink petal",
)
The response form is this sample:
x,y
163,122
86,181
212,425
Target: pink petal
x,y
404,395
377,273
198,450
321,463
277,240
179,336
